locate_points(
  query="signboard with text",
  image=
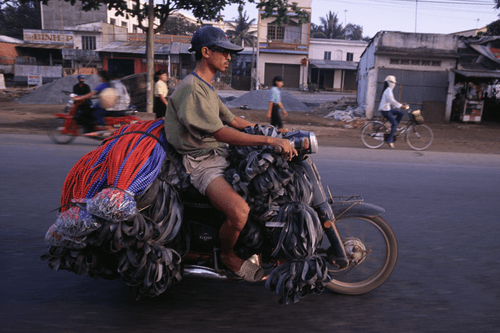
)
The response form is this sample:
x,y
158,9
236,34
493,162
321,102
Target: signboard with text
x,y
34,80
49,37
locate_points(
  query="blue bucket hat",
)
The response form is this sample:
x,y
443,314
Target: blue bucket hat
x,y
211,36
80,77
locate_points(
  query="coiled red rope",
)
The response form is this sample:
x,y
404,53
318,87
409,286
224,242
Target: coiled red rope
x,y
117,162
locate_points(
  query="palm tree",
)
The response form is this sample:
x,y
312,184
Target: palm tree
x,y
240,34
331,26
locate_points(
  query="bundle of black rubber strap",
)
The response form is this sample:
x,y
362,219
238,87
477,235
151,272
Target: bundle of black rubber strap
x,y
146,248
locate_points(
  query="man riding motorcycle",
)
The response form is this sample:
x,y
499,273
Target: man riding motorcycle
x,y
113,96
198,126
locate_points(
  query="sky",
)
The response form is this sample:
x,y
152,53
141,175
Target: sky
x,y
421,16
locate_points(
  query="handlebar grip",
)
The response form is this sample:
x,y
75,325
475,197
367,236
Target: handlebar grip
x,y
278,149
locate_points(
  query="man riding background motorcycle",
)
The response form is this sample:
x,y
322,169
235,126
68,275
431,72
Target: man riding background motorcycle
x,y
113,96
198,126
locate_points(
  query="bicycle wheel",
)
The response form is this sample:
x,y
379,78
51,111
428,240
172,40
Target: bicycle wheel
x,y
58,137
372,249
419,137
372,134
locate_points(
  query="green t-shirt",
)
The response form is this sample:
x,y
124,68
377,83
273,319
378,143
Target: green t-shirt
x,y
194,113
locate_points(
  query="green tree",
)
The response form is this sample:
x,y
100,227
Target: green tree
x,y
317,31
331,26
493,29
353,32
240,33
16,16
201,9
179,26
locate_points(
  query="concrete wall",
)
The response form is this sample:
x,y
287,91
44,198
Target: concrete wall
x,y
48,73
338,47
292,59
58,14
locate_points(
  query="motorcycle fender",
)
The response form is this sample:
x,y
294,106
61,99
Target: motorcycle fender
x,y
357,208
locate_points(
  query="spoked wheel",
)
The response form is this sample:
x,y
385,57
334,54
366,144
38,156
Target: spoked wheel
x,y
58,137
419,137
372,134
372,250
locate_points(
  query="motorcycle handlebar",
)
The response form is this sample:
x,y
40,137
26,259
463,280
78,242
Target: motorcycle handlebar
x,y
304,142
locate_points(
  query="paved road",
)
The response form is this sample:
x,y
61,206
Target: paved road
x,y
443,208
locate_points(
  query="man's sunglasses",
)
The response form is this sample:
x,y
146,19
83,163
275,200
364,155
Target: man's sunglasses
x,y
224,52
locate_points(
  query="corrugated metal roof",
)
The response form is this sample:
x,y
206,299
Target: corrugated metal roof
x,y
479,74
140,48
333,64
7,39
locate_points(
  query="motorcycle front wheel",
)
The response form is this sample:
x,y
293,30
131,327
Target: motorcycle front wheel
x,y
372,249
58,137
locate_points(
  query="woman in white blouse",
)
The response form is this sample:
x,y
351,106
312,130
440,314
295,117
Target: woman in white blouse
x,y
160,93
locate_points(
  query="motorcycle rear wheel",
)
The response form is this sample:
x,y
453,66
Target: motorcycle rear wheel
x,y
60,138
370,240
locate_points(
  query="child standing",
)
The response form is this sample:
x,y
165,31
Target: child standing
x,y
275,103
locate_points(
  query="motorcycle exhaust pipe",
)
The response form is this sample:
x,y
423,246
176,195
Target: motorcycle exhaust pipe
x,y
200,272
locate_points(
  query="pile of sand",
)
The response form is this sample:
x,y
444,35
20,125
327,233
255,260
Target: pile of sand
x,y
53,93
259,100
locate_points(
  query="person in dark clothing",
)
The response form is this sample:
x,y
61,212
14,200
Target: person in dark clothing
x,y
81,88
84,116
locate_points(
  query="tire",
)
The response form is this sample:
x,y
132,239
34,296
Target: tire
x,y
57,137
372,134
375,267
419,137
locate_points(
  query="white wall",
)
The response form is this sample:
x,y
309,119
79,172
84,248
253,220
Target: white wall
x,y
338,47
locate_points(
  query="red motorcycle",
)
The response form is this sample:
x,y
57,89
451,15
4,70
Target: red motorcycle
x,y
69,127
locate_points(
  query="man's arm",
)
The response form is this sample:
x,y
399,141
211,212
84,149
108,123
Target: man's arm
x,y
240,123
236,138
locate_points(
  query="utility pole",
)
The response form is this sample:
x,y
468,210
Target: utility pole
x,y
345,23
150,57
416,6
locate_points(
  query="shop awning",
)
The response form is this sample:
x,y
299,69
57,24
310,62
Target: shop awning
x,y
479,74
333,64
46,46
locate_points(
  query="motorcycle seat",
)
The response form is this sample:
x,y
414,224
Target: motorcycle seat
x,y
191,196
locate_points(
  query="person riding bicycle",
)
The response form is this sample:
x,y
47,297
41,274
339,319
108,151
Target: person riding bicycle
x,y
388,107
199,126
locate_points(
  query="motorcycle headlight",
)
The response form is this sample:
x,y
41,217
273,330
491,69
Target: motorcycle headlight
x,y
304,142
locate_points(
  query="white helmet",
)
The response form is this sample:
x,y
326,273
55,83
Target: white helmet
x,y
390,78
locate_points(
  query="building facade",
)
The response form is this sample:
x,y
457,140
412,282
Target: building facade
x,y
283,50
333,63
423,65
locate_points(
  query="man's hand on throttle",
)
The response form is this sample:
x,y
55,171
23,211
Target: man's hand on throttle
x,y
287,149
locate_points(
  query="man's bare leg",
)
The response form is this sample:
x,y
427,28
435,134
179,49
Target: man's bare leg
x,y
228,201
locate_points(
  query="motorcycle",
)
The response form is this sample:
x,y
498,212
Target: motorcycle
x,y
70,127
306,239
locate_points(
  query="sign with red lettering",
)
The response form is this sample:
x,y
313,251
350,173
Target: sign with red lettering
x,y
49,37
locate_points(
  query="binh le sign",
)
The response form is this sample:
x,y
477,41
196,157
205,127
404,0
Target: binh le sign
x,y
49,37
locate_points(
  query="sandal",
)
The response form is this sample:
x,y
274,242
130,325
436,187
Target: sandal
x,y
250,272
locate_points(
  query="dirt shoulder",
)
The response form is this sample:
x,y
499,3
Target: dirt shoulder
x,y
455,137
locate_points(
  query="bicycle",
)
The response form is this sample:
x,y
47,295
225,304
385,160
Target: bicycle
x,y
417,135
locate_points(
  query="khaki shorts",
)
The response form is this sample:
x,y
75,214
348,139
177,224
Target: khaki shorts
x,y
204,169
